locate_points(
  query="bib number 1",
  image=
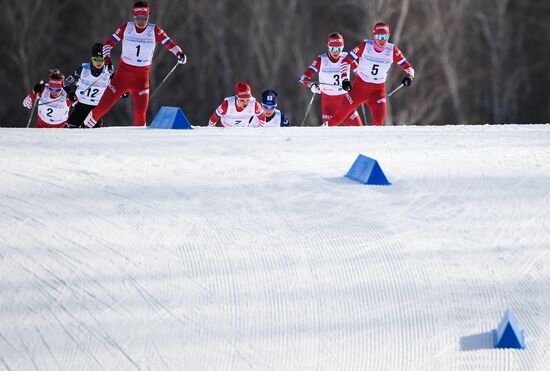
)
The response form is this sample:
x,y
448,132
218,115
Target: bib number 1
x,y
138,47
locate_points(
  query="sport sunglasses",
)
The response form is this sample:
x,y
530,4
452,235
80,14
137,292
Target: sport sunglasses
x,y
382,37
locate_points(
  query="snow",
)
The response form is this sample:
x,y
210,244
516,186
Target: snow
x,y
247,249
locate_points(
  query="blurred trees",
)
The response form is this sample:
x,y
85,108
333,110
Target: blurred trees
x,y
476,61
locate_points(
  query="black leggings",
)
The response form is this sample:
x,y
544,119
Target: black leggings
x,y
76,118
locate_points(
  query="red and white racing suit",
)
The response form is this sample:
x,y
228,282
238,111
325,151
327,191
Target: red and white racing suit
x,y
231,115
132,75
330,77
369,85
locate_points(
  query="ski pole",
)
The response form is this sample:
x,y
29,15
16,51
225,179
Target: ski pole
x,y
164,80
364,114
308,109
394,90
32,110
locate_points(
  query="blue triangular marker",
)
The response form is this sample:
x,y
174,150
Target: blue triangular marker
x,y
171,118
366,170
509,334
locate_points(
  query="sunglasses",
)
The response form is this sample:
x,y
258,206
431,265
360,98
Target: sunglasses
x,y
55,90
335,48
141,17
98,59
269,107
382,37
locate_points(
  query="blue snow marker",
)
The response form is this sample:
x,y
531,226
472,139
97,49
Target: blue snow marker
x,y
509,334
367,171
171,118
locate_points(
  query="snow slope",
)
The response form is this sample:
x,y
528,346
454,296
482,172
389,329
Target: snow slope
x,y
243,249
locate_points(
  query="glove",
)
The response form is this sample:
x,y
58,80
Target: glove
x,y
89,121
315,89
407,81
346,85
182,58
125,95
27,103
72,95
39,88
110,68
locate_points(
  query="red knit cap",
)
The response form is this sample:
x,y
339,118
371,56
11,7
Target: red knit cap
x,y
55,83
141,11
381,29
243,91
335,40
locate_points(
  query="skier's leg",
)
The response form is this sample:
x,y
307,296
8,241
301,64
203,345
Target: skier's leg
x,y
76,118
140,95
329,105
117,87
349,103
141,102
353,120
377,107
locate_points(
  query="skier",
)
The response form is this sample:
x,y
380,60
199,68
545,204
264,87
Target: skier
x,y
274,117
375,59
88,82
330,69
139,39
240,110
53,102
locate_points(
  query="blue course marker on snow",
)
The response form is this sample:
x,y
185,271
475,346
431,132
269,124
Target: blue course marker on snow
x,y
509,334
171,118
366,170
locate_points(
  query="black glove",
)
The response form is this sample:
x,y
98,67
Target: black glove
x,y
72,95
110,68
39,88
407,80
182,58
346,85
125,95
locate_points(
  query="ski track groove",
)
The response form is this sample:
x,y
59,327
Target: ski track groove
x,y
243,280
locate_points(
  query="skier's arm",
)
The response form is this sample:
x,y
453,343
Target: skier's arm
x,y
218,113
354,66
352,58
70,82
167,42
35,93
260,114
311,71
402,62
112,41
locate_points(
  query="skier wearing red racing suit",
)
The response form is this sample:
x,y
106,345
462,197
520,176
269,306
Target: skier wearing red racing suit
x,y
330,67
375,59
138,44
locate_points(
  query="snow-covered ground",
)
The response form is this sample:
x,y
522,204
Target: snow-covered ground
x,y
243,249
